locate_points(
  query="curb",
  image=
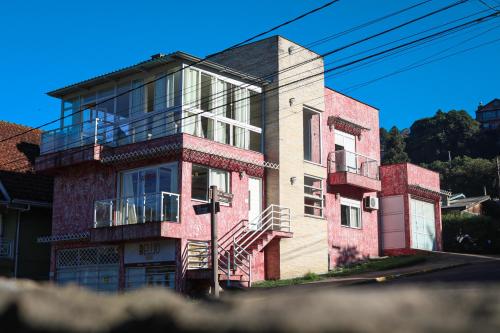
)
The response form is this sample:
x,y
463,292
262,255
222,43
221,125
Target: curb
x,y
385,278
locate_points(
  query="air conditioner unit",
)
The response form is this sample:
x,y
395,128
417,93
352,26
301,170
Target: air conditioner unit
x,y
371,202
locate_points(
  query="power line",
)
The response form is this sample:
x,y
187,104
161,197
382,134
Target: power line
x,y
190,65
344,65
364,58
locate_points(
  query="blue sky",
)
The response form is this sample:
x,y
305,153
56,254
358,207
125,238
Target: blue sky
x,y
50,44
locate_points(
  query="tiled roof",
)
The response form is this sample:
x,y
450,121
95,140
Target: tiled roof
x,y
16,164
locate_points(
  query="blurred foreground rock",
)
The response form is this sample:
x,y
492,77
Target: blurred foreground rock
x,y
29,307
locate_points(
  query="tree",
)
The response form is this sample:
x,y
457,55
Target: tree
x,y
431,139
466,175
393,143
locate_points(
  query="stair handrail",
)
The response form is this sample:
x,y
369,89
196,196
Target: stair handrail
x,y
269,223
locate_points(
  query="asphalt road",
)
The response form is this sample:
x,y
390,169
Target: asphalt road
x,y
483,272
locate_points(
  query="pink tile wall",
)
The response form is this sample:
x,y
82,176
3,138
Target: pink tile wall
x,y
349,244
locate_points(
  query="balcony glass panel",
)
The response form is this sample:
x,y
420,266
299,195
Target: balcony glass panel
x,y
150,207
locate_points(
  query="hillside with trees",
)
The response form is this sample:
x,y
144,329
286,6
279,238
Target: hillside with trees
x,y
451,143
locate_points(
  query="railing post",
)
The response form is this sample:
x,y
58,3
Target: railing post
x,y
95,130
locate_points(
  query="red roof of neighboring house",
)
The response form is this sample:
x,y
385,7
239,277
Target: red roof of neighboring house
x,y
17,160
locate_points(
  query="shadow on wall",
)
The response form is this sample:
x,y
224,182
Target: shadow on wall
x,y
348,255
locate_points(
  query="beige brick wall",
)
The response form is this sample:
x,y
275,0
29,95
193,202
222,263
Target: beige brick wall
x,y
307,251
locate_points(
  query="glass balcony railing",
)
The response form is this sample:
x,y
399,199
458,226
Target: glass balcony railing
x,y
152,207
347,161
78,135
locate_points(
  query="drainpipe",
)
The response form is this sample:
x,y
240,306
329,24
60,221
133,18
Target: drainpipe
x,y
18,227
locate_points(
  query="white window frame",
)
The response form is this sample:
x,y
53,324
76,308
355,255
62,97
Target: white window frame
x,y
309,109
228,173
156,167
216,118
352,204
320,199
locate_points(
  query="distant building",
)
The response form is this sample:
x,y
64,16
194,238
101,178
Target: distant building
x,y
25,206
461,204
489,115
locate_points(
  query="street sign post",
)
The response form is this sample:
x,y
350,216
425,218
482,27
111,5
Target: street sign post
x,y
205,208
215,255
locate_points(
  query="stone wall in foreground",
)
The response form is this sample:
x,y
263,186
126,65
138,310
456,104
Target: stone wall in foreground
x,y
29,307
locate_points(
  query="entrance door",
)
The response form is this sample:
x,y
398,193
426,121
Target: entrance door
x,y
254,202
423,227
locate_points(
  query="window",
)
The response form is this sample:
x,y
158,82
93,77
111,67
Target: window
x,y
312,138
345,156
313,196
350,213
228,113
202,178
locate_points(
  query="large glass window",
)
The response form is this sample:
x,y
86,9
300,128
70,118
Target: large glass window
x,y
221,111
202,178
312,136
350,213
313,196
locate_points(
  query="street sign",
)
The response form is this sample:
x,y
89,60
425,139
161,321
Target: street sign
x,y
224,197
205,208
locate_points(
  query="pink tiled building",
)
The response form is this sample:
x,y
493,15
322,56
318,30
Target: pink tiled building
x,y
131,159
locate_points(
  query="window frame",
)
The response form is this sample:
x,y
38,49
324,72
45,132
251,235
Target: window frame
x,y
351,203
320,199
210,170
196,111
311,110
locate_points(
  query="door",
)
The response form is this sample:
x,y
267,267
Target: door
x,y
423,227
254,202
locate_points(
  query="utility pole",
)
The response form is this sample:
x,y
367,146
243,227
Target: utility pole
x,y
214,198
498,177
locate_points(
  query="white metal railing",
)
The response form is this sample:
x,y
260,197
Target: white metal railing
x,y
151,207
348,161
235,253
77,135
6,248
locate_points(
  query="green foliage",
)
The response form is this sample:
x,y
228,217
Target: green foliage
x,y
483,234
370,265
467,175
430,139
393,143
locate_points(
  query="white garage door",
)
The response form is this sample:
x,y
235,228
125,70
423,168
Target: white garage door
x,y
423,227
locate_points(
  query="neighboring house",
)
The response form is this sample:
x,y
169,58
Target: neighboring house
x,y
25,206
462,204
302,164
410,209
489,115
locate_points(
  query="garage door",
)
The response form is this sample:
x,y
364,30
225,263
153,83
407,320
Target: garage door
x,y
423,227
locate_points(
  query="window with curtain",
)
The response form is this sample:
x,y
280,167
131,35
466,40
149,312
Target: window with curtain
x,y
203,177
350,213
312,137
191,88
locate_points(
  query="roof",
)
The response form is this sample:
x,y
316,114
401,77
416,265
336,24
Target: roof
x,y
155,61
18,179
466,202
491,106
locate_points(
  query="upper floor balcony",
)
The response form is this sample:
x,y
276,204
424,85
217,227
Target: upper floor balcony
x,y
191,101
346,168
142,215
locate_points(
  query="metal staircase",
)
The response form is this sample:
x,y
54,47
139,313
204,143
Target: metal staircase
x,y
238,246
